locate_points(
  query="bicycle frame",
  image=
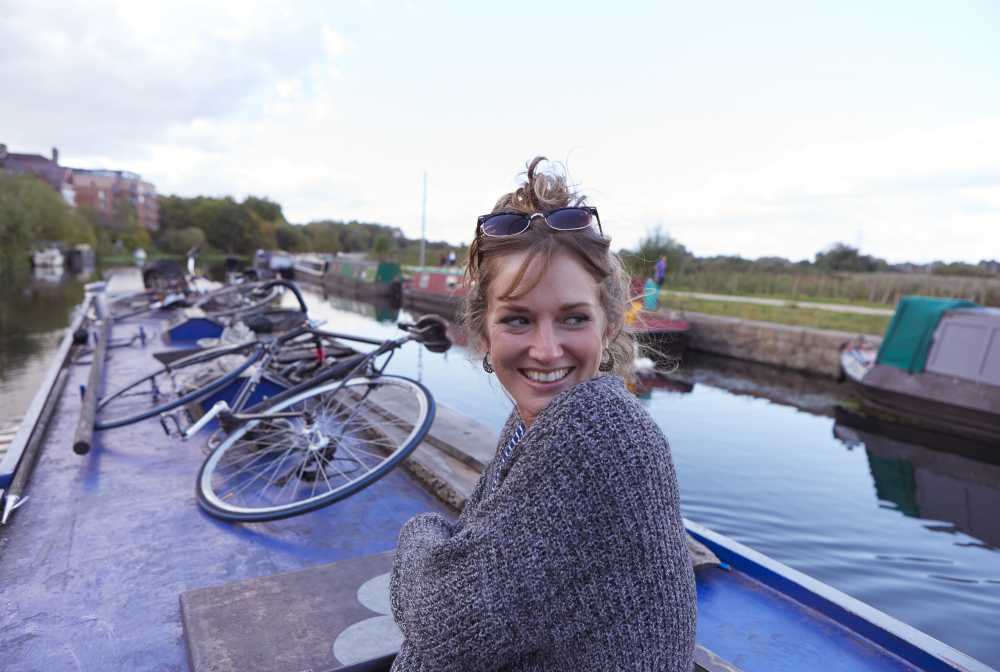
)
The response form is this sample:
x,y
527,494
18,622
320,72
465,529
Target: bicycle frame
x,y
231,417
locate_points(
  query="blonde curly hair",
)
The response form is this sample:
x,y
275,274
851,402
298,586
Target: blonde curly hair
x,y
540,191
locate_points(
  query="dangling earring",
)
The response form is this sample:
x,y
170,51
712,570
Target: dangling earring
x,y
487,367
604,367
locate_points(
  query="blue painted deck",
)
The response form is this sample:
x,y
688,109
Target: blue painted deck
x,y
92,566
755,627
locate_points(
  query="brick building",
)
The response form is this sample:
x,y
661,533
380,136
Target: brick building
x,y
48,170
100,189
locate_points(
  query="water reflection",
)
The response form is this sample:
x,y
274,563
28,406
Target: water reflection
x,y
383,309
930,476
33,311
811,394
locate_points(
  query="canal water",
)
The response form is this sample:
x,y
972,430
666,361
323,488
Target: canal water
x,y
907,523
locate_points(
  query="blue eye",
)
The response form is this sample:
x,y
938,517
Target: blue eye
x,y
515,320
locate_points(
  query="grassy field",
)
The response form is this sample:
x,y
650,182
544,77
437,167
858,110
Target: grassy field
x,y
801,317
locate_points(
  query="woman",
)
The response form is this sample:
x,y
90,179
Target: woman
x,y
570,554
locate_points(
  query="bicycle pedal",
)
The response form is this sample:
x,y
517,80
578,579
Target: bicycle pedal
x,y
181,418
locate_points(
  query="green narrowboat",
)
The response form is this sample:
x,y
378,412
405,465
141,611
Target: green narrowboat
x,y
360,278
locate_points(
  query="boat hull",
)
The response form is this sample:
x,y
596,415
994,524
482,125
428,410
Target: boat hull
x,y
957,406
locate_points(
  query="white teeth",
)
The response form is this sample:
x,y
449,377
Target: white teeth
x,y
551,377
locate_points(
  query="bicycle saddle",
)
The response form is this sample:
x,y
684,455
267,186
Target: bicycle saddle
x,y
431,331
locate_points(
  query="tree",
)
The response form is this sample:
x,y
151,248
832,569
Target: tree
x,y
841,257
382,247
226,224
655,244
179,242
175,212
16,224
264,208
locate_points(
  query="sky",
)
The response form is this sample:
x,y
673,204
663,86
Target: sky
x,y
771,128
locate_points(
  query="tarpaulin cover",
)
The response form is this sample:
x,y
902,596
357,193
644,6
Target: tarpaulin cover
x,y
911,331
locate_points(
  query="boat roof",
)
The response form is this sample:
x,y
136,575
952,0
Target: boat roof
x,y
911,331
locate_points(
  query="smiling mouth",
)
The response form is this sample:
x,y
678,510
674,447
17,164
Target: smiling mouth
x,y
545,377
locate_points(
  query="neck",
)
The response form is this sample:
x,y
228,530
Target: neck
x,y
526,417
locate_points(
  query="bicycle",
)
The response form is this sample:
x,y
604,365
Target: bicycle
x,y
318,442
197,375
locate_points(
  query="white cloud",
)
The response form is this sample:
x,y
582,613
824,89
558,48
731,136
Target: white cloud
x,y
334,44
940,184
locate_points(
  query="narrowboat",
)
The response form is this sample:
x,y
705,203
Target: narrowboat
x,y
937,367
754,613
268,265
435,290
363,279
311,268
108,564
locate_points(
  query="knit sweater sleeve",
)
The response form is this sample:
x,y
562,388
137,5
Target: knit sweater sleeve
x,y
583,534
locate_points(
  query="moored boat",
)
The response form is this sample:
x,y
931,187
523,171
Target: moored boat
x,y
661,335
48,258
363,279
268,265
311,268
435,290
754,613
938,367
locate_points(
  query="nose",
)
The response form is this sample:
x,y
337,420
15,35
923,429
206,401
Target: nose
x,y
545,344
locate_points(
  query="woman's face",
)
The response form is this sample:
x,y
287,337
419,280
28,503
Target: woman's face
x,y
551,338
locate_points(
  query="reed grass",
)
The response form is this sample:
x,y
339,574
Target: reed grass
x,y
876,289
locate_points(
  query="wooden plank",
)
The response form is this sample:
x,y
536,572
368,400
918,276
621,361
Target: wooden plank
x,y
292,621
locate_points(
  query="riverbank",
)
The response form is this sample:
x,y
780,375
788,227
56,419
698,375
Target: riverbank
x,y
805,349
814,315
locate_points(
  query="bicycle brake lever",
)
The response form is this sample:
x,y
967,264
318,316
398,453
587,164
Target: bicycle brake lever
x,y
205,419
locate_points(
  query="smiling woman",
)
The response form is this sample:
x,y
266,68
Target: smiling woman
x,y
570,553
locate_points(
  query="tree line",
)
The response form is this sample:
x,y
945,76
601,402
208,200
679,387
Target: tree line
x,y
838,258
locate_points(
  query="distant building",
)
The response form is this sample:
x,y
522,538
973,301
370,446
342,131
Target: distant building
x,y
48,170
99,189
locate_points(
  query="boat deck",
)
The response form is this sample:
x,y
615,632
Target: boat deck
x,y
754,627
93,564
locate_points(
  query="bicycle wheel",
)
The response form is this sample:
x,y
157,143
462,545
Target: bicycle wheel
x,y
275,468
175,384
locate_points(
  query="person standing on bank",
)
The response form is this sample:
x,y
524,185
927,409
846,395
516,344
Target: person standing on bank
x,y
660,269
570,553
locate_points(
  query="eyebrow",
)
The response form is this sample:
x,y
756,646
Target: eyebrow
x,y
566,306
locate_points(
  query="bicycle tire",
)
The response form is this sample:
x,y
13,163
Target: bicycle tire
x,y
247,478
122,407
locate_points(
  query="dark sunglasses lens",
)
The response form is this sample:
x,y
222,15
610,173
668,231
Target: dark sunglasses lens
x,y
505,225
569,220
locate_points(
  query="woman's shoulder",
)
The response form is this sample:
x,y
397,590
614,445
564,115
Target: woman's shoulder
x,y
603,403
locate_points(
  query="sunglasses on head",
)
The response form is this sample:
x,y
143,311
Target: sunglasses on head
x,y
499,224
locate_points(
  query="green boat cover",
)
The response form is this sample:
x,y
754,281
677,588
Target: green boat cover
x,y
911,331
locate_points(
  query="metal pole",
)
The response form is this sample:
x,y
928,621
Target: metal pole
x,y
423,221
85,428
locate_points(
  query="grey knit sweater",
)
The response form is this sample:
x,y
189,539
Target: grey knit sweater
x,y
578,561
